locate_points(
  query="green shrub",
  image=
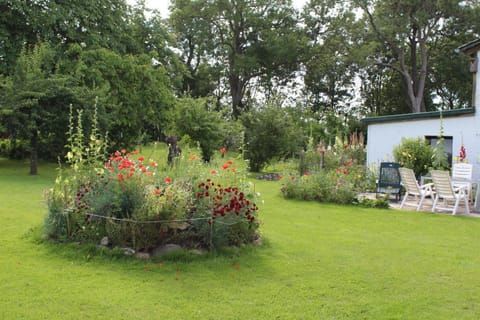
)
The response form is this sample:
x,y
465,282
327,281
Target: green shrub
x,y
414,153
269,134
337,186
204,127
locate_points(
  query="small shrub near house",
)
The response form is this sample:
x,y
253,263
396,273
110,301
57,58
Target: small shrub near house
x,y
134,203
414,153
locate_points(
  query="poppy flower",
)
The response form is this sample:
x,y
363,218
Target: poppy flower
x,y
156,192
213,171
135,152
233,170
225,166
167,180
153,164
141,158
223,151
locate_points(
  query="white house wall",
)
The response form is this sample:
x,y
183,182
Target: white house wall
x,y
384,136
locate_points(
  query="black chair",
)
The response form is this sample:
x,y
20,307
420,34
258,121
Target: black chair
x,y
389,181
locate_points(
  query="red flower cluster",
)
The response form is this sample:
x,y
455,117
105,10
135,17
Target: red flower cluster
x,y
227,165
125,168
226,200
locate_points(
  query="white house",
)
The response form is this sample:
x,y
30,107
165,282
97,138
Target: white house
x,y
459,125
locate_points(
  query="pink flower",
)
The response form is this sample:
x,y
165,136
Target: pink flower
x,y
463,153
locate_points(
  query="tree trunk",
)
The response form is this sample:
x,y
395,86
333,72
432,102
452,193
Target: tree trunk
x,y
236,92
34,154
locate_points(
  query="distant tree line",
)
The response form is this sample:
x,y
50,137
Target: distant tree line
x,y
323,67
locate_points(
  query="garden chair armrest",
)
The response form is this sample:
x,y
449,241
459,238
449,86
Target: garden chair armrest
x,y
461,188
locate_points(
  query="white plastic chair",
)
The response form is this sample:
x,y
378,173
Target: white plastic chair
x,y
462,174
449,194
413,189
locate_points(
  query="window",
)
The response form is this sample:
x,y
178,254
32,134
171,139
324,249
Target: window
x,y
447,146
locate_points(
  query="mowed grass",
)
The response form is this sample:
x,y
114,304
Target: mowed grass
x,y
318,261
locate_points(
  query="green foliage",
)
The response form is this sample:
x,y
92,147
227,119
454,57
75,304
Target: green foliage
x,y
205,127
269,134
134,203
248,41
414,153
333,174
379,203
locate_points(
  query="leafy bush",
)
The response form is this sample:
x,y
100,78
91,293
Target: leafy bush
x,y
337,186
269,133
205,127
414,153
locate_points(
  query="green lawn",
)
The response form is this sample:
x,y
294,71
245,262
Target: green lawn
x,y
318,262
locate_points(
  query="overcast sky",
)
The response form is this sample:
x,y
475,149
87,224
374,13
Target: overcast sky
x,y
162,5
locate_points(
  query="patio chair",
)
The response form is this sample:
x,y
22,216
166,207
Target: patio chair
x,y
389,179
413,191
462,174
450,195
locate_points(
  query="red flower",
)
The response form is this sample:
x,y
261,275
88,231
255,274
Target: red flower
x,y
124,151
117,154
463,153
225,166
223,151
167,180
141,158
135,152
213,171
120,177
156,192
233,169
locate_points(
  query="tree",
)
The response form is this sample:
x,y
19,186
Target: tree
x,y
36,101
330,69
134,95
270,133
204,126
407,32
250,40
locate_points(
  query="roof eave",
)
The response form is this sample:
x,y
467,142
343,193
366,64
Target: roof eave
x,y
470,47
419,115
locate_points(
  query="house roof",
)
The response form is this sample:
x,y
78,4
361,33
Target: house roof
x,y
419,115
470,47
